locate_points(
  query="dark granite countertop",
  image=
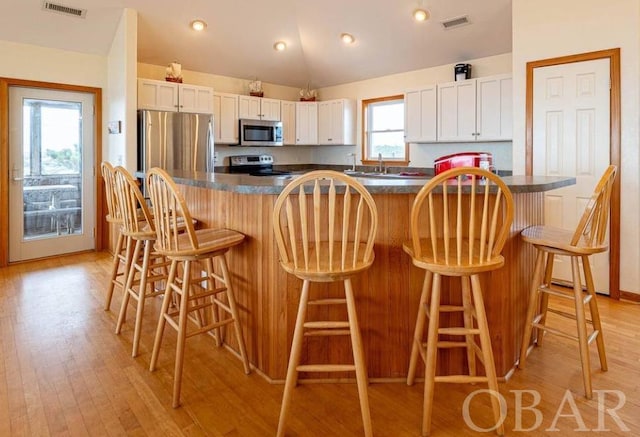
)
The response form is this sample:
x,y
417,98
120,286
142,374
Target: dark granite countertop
x,y
242,183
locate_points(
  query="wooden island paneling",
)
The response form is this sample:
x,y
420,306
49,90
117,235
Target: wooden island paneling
x,y
387,294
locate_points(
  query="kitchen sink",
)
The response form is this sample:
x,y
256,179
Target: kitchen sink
x,y
378,175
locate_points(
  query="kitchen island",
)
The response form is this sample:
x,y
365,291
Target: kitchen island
x,y
387,294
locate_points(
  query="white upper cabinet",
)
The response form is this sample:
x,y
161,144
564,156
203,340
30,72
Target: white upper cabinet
x,y
157,95
225,118
494,117
306,123
169,96
288,113
457,111
476,109
258,108
336,122
198,99
420,115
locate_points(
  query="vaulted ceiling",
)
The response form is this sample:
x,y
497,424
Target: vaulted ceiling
x,y
239,38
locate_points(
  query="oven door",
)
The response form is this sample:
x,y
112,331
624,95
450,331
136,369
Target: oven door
x,y
260,133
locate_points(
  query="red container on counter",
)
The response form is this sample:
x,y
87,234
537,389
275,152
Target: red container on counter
x,y
463,159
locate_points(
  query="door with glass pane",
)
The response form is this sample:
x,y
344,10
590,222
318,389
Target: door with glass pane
x,y
51,147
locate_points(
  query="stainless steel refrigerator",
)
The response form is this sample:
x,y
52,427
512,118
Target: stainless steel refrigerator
x,y
175,141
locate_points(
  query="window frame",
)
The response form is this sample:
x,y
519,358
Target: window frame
x,y
366,159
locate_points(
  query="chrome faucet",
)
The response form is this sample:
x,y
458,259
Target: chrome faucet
x,y
353,163
381,167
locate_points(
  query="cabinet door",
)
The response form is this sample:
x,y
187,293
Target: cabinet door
x,y
306,123
157,95
420,115
457,111
494,119
270,109
225,121
288,115
325,123
249,107
197,99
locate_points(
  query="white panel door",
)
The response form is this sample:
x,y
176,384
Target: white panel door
x,y
571,138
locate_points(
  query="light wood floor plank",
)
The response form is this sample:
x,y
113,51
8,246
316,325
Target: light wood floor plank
x,y
63,372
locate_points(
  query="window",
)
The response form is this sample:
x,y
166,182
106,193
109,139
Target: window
x,y
383,133
51,137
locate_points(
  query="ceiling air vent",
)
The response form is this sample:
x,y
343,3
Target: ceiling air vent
x,y
62,9
455,22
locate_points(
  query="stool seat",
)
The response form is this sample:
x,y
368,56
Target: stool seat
x,y
451,265
322,269
208,241
560,240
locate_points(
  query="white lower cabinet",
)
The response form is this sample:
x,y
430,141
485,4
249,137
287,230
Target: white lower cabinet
x,y
306,123
225,121
336,122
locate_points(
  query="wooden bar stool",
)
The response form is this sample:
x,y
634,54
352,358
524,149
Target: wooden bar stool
x,y
122,253
458,228
195,292
589,237
147,267
323,236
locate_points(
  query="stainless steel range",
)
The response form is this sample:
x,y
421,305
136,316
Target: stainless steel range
x,y
255,165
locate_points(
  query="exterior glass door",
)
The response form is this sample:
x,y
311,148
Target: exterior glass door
x,y
51,142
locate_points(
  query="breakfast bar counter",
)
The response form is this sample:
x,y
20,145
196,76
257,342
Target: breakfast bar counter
x,y
387,294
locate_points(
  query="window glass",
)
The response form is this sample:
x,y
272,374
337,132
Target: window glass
x,y
384,129
51,137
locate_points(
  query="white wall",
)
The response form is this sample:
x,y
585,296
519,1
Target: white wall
x,y
120,149
421,155
222,84
23,61
550,28
29,62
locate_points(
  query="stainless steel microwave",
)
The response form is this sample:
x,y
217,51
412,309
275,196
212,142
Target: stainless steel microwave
x,y
260,133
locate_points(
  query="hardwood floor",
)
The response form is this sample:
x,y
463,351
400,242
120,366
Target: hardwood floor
x,y
63,371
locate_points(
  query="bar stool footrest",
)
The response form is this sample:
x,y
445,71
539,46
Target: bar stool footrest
x,y
326,368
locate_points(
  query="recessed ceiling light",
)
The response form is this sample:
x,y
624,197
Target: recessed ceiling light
x,y
280,46
198,25
420,15
347,38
